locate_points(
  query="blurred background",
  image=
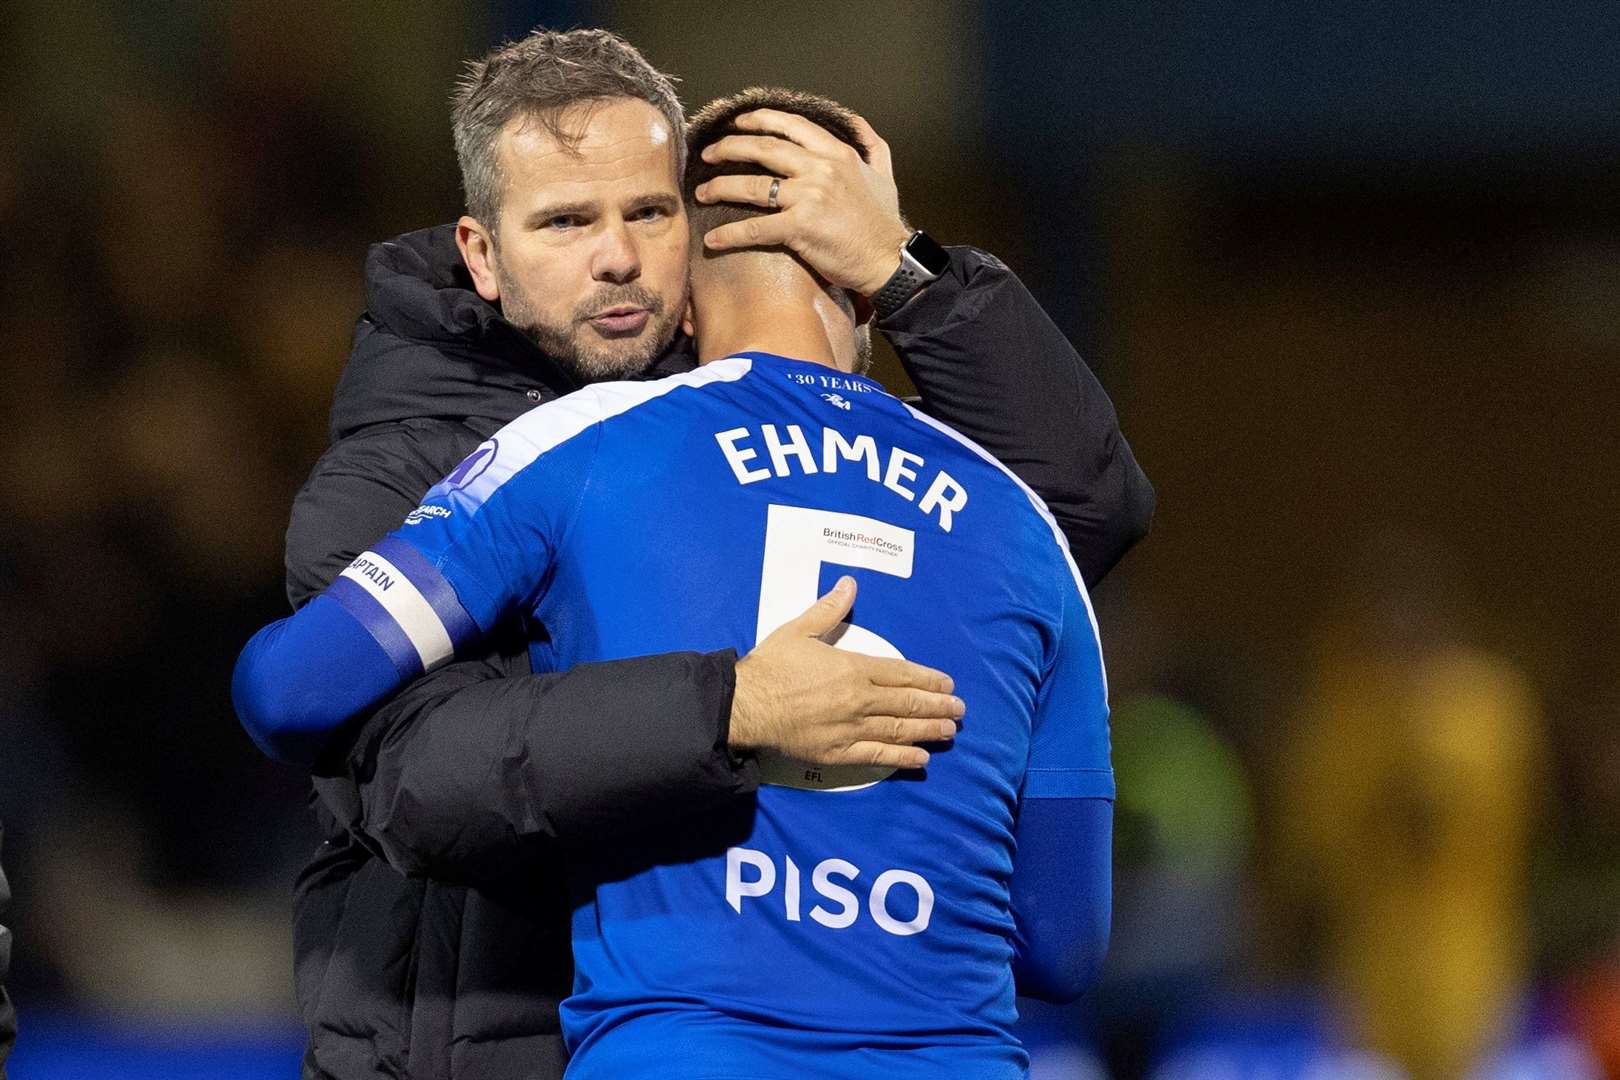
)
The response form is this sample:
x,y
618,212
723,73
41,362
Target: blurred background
x,y
1351,275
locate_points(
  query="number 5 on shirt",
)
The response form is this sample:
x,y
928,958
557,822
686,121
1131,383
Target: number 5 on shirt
x,y
798,542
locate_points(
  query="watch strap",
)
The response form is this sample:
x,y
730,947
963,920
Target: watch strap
x,y
903,284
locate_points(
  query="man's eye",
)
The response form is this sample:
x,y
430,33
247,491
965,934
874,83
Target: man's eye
x,y
647,213
563,221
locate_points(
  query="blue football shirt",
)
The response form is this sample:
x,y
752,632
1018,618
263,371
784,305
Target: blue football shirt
x,y
852,922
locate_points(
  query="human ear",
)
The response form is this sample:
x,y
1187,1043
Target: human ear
x,y
477,246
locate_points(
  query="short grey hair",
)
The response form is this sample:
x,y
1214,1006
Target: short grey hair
x,y
540,78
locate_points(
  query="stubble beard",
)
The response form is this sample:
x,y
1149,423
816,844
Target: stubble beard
x,y
863,348
578,347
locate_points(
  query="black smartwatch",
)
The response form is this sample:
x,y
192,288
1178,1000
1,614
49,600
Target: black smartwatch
x,y
921,261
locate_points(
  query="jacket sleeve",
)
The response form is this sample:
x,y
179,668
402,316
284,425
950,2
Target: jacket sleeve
x,y
481,760
361,490
8,1015
471,770
988,361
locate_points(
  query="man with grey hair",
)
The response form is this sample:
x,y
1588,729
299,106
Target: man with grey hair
x,y
479,778
555,529
540,98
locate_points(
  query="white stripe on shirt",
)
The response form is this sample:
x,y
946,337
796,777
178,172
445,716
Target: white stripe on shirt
x,y
554,423
1046,515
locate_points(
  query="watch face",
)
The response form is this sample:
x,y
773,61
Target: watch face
x,y
928,254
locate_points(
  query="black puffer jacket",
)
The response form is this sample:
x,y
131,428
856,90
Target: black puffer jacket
x,y
431,927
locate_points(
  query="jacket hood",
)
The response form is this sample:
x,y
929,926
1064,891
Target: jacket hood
x,y
429,346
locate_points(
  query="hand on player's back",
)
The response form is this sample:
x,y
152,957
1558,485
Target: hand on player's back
x,y
810,701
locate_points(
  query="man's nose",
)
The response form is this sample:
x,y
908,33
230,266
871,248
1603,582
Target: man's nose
x,y
617,258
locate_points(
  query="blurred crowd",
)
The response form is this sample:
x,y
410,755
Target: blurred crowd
x,y
183,224
1406,863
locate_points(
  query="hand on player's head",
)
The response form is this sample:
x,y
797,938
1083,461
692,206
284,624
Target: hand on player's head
x,y
836,205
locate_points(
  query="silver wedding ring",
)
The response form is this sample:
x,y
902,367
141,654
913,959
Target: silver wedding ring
x,y
770,199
